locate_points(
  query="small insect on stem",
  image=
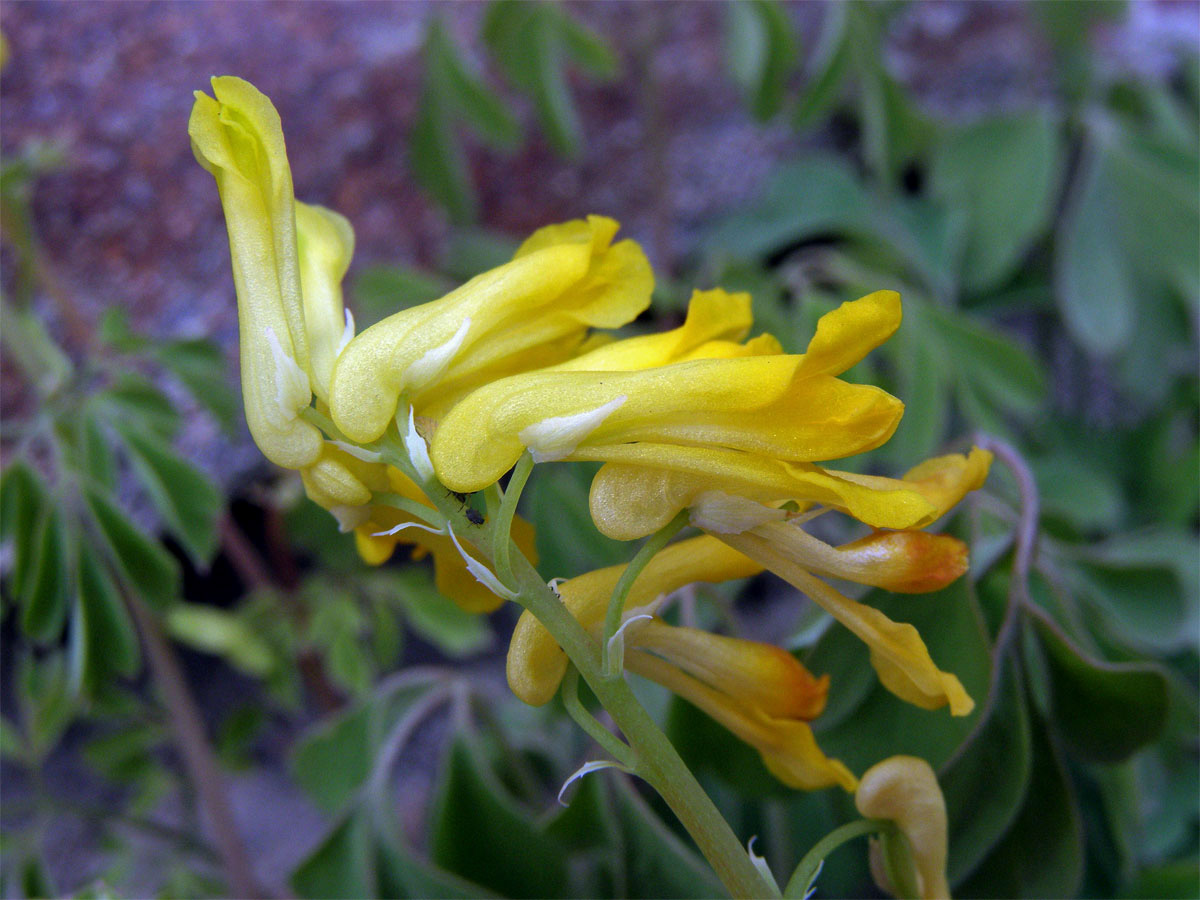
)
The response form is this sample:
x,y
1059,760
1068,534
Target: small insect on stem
x,y
474,516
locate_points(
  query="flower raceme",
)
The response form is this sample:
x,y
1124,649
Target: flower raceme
x,y
697,418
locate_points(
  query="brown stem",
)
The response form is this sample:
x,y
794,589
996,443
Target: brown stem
x,y
199,761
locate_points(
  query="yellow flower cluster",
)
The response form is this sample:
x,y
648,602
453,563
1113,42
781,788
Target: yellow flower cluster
x,y
697,419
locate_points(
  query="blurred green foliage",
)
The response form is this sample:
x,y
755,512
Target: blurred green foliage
x,y
1048,261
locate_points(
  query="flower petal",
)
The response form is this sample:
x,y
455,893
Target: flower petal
x,y
905,790
764,675
787,746
325,244
848,333
646,484
536,665
908,562
757,404
898,654
238,138
558,286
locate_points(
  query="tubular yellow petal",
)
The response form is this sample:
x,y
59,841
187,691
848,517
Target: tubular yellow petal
x,y
325,242
536,665
646,484
764,675
898,654
905,790
945,480
713,317
551,290
908,562
757,404
787,746
238,138
848,333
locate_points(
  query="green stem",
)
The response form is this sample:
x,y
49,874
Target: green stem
x,y
616,604
502,525
657,761
414,508
806,872
616,747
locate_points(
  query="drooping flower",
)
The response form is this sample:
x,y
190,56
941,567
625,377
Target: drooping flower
x,y
759,692
905,790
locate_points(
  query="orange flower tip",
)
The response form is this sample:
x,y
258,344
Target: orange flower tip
x,y
909,562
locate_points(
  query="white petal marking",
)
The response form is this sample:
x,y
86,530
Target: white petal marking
x,y
555,437
292,389
418,451
721,513
347,334
430,366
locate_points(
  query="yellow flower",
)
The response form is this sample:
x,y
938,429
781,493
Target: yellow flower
x,y
533,311
905,790
289,305
759,692
775,406
451,577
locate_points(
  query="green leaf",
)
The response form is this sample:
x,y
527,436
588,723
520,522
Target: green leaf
x,y
1042,853
342,865
1090,500
188,500
35,880
437,161
830,62
478,832
202,368
760,51
1179,879
1003,172
1104,711
142,561
808,198
468,95
110,639
124,755
96,454
985,782
1093,276
332,760
47,702
657,862
47,590
220,632
989,361
549,91
135,399
22,500
587,49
